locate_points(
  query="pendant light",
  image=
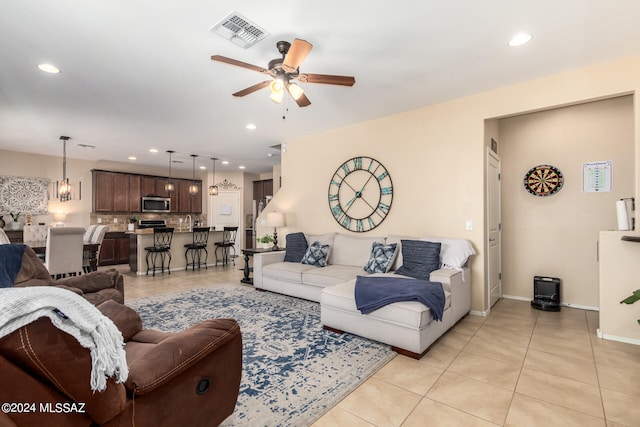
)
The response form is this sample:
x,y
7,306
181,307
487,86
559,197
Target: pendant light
x,y
170,187
193,188
213,189
64,188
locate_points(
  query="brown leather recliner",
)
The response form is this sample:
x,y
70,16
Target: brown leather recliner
x,y
189,378
96,287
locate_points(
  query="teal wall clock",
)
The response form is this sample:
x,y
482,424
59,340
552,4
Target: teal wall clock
x,y
360,194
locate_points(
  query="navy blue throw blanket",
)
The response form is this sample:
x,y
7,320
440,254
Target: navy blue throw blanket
x,y
373,293
10,263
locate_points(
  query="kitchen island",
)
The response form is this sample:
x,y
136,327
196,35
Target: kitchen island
x,y
142,238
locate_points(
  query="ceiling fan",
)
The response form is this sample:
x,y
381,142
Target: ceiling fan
x,y
285,70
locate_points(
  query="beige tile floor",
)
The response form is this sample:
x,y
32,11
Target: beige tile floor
x,y
516,367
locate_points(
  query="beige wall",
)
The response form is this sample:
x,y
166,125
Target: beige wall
x,y
557,235
436,157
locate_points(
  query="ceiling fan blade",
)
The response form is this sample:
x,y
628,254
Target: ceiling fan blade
x,y
253,88
327,79
303,101
238,63
297,52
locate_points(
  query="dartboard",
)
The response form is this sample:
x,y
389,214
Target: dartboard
x,y
543,180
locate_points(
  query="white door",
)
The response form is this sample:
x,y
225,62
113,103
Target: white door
x,y
225,212
494,231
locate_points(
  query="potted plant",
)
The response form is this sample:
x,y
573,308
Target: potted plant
x,y
15,224
265,240
132,223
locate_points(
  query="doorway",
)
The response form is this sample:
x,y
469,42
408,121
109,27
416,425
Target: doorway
x,y
493,230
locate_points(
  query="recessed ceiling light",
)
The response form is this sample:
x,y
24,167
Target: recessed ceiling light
x,y
225,162
519,39
132,158
48,68
241,167
251,126
203,167
153,150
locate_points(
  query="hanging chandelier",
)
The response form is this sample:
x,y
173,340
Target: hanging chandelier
x,y
63,188
193,188
213,189
170,187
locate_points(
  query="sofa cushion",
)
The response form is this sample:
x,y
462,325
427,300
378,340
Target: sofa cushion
x,y
296,247
330,275
317,254
419,258
381,258
352,250
324,239
412,314
286,271
454,252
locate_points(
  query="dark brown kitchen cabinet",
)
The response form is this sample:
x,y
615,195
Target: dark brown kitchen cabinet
x,y
149,186
103,188
135,191
188,203
114,249
262,189
121,192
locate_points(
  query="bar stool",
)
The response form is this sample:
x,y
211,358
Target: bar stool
x,y
228,241
199,244
161,247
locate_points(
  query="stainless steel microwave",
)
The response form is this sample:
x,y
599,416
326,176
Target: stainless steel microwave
x,y
156,204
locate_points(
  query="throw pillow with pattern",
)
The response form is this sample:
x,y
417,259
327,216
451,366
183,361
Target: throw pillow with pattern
x,y
381,258
316,254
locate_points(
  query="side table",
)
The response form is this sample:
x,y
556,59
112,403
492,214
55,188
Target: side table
x,y
249,253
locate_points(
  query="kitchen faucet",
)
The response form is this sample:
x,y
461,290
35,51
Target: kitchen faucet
x,y
189,218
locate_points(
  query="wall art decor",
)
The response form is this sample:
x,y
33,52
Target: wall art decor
x,y
360,194
24,194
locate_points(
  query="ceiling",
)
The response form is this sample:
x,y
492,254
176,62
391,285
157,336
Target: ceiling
x,y
137,74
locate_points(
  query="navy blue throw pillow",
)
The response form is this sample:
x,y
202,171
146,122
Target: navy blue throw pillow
x,y
419,258
296,247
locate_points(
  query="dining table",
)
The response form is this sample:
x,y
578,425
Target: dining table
x,y
40,247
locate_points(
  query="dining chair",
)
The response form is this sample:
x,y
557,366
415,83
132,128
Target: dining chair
x,y
162,237
35,233
195,248
4,239
228,242
89,233
64,251
96,237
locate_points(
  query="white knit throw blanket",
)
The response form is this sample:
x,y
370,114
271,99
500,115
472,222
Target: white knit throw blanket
x,y
76,316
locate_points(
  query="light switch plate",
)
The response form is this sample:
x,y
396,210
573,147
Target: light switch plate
x,y
99,220
115,220
469,224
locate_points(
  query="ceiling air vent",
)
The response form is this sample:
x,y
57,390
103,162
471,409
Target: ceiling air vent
x,y
239,30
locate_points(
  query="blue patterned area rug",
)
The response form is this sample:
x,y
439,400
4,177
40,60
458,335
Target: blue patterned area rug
x,y
293,370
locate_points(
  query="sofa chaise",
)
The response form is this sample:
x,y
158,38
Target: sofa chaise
x,y
407,326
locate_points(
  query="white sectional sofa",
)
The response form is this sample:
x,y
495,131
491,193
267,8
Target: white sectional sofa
x,y
407,326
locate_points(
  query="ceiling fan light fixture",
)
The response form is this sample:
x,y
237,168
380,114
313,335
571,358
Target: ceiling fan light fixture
x,y
277,85
277,97
295,91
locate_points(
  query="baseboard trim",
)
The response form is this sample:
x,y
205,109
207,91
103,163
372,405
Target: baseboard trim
x,y
616,338
565,304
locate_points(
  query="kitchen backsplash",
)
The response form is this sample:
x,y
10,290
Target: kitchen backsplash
x,y
173,220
